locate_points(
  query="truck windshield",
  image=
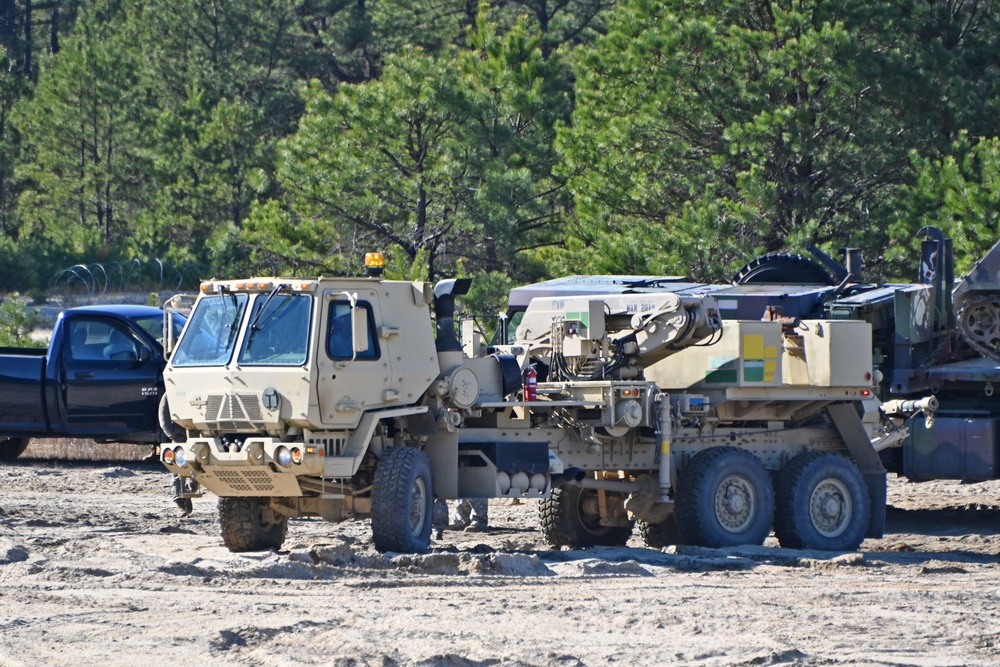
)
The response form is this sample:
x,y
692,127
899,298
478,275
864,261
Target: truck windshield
x,y
279,331
210,336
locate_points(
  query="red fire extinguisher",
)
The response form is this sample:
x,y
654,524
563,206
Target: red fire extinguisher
x,y
530,383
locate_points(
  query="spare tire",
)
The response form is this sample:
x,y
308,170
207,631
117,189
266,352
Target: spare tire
x,y
783,268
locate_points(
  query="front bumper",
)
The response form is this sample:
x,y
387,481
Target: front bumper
x,y
261,467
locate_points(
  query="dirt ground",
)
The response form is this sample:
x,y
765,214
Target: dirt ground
x,y
97,568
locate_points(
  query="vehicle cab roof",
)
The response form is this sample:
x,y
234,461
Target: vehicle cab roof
x,y
121,309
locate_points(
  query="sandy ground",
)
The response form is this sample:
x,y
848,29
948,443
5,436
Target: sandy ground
x,y
96,568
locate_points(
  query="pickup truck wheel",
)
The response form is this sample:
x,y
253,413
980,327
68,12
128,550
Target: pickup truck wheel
x,y
11,448
402,501
249,524
823,504
570,517
659,535
724,499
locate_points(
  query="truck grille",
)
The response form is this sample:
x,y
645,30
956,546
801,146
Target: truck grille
x,y
234,412
246,481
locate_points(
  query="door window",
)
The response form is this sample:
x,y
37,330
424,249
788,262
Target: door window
x,y
340,336
102,340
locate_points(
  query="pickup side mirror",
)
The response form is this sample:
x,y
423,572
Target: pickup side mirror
x,y
145,354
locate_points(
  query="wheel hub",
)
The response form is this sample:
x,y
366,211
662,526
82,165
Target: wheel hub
x,y
418,498
830,507
735,503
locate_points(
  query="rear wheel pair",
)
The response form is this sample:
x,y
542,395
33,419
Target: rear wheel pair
x,y
725,498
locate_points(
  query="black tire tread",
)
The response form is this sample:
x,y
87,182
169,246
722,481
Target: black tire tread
x,y
560,524
689,512
239,520
394,479
11,448
782,268
793,530
659,535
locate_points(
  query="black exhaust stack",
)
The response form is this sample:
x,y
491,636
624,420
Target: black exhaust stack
x,y
445,293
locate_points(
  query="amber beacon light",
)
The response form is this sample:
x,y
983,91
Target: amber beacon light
x,y
374,263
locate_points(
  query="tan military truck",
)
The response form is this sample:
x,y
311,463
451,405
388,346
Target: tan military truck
x,y
333,397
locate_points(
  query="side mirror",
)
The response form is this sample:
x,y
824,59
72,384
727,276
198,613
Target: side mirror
x,y
359,322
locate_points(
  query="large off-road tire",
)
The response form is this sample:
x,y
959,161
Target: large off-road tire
x,y
570,518
249,524
659,535
724,499
171,431
822,503
782,268
403,501
11,448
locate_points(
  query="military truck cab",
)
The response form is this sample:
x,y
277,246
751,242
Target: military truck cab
x,y
292,391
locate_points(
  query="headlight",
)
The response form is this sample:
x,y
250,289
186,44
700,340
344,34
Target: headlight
x,y
168,456
296,455
283,456
180,457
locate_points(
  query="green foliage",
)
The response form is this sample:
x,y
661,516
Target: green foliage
x,y
960,194
749,127
740,130
17,321
514,141
486,300
86,178
433,161
436,25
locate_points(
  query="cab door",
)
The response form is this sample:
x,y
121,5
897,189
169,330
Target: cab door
x,y
355,372
111,379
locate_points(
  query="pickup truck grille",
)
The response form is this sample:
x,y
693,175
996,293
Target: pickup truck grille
x,y
235,412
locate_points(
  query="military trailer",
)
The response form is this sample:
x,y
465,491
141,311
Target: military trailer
x,y
935,342
333,397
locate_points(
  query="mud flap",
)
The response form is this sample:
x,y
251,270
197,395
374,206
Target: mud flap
x,y
847,421
876,484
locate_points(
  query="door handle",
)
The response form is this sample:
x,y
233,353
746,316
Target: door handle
x,y
84,376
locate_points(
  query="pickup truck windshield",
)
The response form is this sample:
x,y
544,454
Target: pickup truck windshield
x,y
210,336
279,331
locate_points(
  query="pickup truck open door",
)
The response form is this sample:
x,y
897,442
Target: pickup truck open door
x,y
110,379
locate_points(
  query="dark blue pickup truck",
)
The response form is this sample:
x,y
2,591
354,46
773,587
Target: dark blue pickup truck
x,y
101,378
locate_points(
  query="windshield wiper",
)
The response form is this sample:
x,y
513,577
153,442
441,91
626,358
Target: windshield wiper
x,y
221,291
260,311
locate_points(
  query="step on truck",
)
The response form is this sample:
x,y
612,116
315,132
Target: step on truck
x,y
333,397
